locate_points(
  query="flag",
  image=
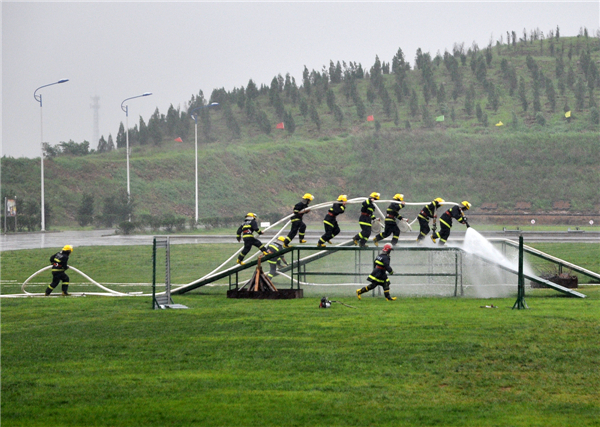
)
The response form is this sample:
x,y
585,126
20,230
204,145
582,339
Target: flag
x,y
280,125
370,118
500,123
439,119
568,114
178,139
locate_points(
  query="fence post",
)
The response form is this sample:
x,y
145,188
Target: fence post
x,y
520,303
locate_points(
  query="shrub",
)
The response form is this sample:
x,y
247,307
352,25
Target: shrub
x,y
126,227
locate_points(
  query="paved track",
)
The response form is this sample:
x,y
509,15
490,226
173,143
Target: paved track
x,y
57,240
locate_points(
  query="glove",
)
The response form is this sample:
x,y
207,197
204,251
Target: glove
x,y
260,232
392,273
239,239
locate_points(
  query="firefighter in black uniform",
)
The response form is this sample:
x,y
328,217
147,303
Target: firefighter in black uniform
x,y
246,231
427,213
367,216
332,228
59,265
297,224
391,226
275,247
379,275
458,213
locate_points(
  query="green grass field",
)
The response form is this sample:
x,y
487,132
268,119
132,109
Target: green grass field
x,y
98,361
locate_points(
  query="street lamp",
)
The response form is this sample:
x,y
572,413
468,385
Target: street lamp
x,y
195,117
38,98
126,110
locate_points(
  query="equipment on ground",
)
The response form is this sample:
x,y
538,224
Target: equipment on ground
x,y
326,303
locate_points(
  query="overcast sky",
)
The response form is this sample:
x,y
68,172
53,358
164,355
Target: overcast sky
x,y
116,50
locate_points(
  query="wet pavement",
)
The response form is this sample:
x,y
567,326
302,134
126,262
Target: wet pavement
x,y
18,241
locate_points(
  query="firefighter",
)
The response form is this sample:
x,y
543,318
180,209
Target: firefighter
x,y
391,226
246,231
427,213
458,213
379,275
367,216
275,262
332,228
59,265
298,225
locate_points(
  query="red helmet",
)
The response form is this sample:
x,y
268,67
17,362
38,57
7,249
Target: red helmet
x,y
387,247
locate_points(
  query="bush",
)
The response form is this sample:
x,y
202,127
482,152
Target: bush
x,y
126,227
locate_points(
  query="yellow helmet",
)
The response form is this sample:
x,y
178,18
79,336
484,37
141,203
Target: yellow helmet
x,y
374,195
252,215
438,201
281,239
466,204
68,248
399,197
308,196
342,198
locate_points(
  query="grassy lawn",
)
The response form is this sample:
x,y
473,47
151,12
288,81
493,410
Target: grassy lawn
x,y
423,361
95,361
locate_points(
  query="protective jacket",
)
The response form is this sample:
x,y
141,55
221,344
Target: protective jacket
x,y
381,268
300,206
393,212
366,212
454,212
335,210
248,228
59,261
428,211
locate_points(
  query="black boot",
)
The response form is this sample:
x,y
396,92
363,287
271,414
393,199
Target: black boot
x,y
48,291
65,289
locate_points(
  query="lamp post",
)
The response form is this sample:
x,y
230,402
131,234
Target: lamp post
x,y
126,110
38,98
195,117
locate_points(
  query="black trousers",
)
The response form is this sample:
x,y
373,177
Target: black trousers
x,y
424,224
57,276
332,229
298,225
390,228
248,243
444,233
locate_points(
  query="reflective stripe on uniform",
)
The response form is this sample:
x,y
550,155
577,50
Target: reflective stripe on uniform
x,y
444,222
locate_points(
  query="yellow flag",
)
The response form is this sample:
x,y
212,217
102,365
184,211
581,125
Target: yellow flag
x,y
499,124
568,114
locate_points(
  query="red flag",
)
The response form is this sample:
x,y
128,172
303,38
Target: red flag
x,y
370,118
280,126
178,139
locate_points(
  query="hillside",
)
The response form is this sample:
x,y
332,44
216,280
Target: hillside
x,y
538,157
